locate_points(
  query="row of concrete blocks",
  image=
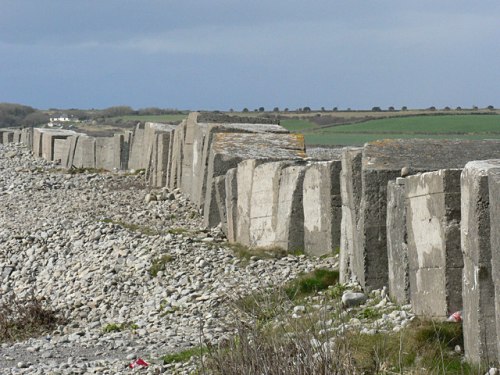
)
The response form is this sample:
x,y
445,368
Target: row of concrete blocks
x,y
428,236
128,150
253,179
15,136
404,233
215,164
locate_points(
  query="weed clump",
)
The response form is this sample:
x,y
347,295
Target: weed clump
x,y
22,318
118,327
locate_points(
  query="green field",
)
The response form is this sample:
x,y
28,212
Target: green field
x,y
455,126
437,127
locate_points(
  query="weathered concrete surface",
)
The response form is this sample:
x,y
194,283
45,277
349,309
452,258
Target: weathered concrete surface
x,y
157,141
175,160
211,160
191,149
322,207
82,152
397,244
7,136
382,161
290,213
244,183
107,156
435,257
193,154
269,201
479,316
262,212
228,149
27,137
231,204
494,189
45,144
350,192
137,154
219,187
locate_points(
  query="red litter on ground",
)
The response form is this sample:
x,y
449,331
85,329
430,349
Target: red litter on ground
x,y
139,362
456,317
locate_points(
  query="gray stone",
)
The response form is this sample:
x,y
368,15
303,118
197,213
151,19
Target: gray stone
x,y
352,299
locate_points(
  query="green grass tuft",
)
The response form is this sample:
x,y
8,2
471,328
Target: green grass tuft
x,y
184,355
313,282
118,327
160,264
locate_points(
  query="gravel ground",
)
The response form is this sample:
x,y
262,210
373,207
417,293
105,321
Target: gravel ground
x,y
87,242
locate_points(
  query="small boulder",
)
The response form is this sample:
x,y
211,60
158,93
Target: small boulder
x,y
149,198
351,299
405,171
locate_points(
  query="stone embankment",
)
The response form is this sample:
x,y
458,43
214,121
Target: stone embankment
x,y
418,216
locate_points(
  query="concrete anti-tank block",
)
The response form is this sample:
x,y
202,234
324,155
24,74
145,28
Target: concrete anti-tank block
x,y
494,189
8,137
137,153
228,149
435,257
397,245
322,208
263,204
350,192
220,199
290,213
479,291
231,203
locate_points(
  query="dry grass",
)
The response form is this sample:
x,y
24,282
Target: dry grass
x,y
269,340
22,318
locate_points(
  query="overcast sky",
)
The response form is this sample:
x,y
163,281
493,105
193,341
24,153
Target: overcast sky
x,y
208,54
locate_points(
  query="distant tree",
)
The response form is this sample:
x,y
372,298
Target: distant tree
x,y
261,109
35,118
348,109
323,109
286,109
117,111
245,109
376,109
231,110
335,109
447,108
306,109
432,108
78,114
404,108
475,108
458,108
490,107
13,114
256,110
391,108
276,109
151,111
